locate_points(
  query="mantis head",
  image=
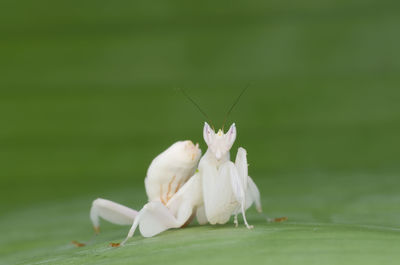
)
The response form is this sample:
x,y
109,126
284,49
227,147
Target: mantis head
x,y
219,143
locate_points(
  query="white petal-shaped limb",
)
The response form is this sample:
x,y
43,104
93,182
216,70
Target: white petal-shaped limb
x,y
242,167
112,212
156,217
170,170
239,190
252,194
245,184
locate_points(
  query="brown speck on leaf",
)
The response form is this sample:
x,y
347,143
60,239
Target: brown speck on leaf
x,y
77,244
114,245
280,219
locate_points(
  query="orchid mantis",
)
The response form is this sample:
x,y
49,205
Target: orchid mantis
x,y
227,188
177,192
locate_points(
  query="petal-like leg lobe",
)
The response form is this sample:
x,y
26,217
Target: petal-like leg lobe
x,y
112,212
254,195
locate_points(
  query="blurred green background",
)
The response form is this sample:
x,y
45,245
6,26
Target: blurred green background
x,y
88,97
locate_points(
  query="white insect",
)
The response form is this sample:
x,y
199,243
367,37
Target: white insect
x,y
227,187
218,189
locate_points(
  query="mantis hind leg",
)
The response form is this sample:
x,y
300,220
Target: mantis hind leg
x,y
244,218
112,212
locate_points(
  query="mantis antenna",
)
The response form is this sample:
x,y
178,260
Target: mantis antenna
x,y
196,105
234,104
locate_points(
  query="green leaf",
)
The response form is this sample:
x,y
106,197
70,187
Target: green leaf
x,y
88,98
